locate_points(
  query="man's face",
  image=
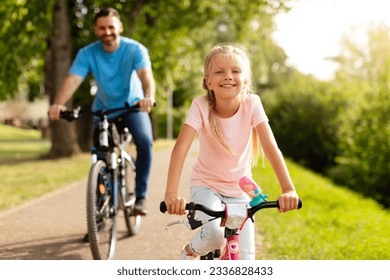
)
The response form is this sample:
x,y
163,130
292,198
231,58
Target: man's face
x,y
108,29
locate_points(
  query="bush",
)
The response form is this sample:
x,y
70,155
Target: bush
x,y
305,123
365,144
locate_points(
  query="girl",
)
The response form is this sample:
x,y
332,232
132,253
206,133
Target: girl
x,y
229,121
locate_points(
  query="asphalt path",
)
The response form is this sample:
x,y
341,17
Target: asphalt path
x,y
52,227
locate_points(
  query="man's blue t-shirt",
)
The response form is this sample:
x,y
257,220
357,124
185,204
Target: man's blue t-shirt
x,y
114,73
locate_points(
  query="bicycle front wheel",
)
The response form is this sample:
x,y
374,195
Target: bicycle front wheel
x,y
101,219
132,219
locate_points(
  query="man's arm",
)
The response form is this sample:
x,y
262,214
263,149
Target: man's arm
x,y
65,93
149,88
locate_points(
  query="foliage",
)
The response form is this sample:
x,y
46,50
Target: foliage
x,y
23,35
365,144
333,224
340,127
363,164
303,114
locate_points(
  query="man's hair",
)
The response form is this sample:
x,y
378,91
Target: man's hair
x,y
104,12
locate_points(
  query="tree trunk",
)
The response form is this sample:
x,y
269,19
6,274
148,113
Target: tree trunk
x,y
84,130
57,63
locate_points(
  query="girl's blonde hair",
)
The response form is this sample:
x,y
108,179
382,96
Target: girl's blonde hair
x,y
238,53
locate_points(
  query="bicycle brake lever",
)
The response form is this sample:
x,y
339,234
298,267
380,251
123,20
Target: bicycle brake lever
x,y
183,222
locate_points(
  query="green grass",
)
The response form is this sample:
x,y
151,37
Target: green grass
x,y
24,181
28,149
12,133
23,176
333,224
19,144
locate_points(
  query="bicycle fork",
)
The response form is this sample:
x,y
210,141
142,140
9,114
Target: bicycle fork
x,y
112,169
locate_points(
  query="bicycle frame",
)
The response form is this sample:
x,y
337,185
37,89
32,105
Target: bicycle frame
x,y
111,157
114,151
112,165
232,249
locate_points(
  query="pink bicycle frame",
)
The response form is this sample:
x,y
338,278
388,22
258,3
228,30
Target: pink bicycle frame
x,y
232,249
236,216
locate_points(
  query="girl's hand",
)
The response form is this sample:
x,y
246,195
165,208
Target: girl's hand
x,y
288,201
175,205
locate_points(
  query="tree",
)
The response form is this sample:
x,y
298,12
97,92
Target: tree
x,y
23,33
58,59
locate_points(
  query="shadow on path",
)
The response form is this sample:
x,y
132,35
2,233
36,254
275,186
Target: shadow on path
x,y
66,247
55,248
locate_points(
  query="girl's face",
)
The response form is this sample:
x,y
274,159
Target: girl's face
x,y
226,76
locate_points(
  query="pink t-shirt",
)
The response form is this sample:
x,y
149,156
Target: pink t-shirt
x,y
216,167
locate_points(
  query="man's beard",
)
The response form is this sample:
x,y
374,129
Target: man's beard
x,y
108,42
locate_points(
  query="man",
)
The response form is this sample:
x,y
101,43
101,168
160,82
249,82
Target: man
x,y
122,70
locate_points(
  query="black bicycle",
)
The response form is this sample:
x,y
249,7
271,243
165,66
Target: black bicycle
x,y
111,183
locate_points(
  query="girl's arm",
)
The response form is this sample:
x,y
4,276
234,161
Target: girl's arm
x,y
176,204
289,198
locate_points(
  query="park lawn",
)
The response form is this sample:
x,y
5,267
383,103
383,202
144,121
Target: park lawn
x,y
22,149
334,223
8,132
27,180
21,144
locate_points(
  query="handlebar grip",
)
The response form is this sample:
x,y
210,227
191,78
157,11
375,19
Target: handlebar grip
x,y
69,115
300,203
163,207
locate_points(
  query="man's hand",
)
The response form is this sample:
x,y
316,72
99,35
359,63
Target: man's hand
x,y
55,110
146,104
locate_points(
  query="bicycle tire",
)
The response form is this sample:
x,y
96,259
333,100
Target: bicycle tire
x,y
101,219
132,220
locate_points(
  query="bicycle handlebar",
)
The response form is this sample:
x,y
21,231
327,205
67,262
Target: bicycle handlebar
x,y
221,214
71,115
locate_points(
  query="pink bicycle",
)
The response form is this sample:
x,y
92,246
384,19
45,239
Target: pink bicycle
x,y
232,217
